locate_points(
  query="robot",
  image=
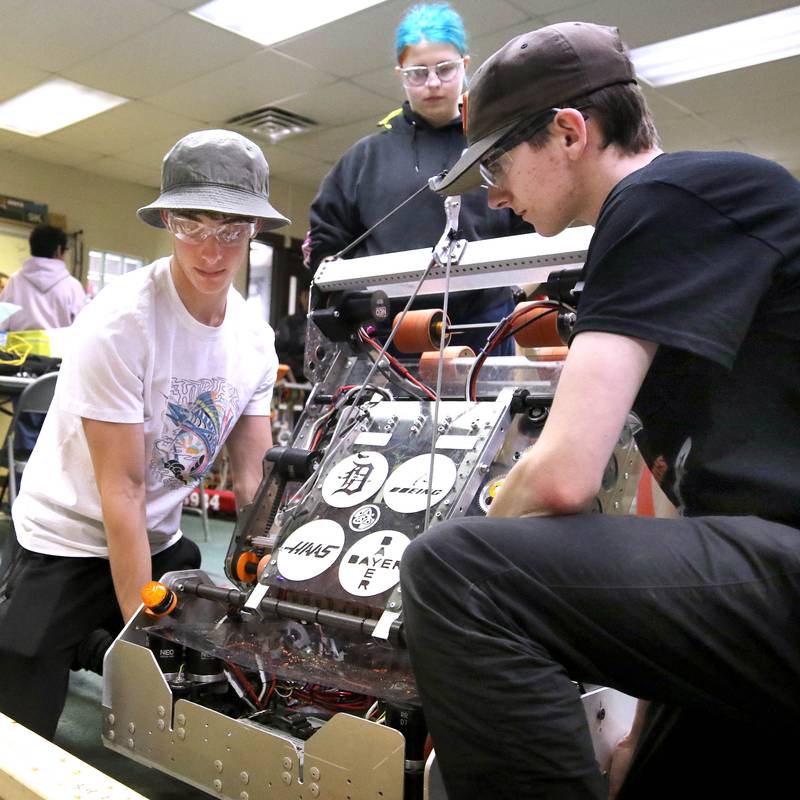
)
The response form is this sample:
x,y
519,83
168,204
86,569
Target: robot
x,y
287,677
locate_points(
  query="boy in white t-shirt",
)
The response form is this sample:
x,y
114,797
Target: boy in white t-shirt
x,y
165,366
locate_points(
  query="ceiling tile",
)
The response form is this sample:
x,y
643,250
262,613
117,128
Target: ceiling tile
x,y
310,176
339,103
52,35
653,20
738,87
257,80
282,161
690,133
122,170
179,49
55,152
383,81
120,128
328,145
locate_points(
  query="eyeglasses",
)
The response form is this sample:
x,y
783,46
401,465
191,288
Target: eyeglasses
x,y
495,165
445,71
227,234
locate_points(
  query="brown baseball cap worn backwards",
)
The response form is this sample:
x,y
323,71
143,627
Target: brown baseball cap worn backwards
x,y
534,72
215,170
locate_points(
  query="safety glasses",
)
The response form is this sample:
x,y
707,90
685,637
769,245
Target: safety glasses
x,y
445,71
192,231
495,165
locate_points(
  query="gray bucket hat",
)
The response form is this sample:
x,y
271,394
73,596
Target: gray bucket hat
x,y
215,170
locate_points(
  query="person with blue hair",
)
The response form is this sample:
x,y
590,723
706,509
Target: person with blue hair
x,y
416,142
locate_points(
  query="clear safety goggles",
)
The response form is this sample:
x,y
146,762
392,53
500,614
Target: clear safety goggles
x,y
227,234
445,71
494,167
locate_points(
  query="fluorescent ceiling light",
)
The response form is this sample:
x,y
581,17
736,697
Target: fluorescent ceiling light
x,y
267,23
740,44
54,105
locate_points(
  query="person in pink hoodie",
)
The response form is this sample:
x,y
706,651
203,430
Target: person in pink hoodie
x,y
48,295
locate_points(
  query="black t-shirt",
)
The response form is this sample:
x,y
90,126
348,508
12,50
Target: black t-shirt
x,y
700,252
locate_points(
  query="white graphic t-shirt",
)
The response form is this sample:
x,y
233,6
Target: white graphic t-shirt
x,y
136,355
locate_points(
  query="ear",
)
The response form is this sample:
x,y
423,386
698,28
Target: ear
x,y
466,61
163,214
569,126
259,226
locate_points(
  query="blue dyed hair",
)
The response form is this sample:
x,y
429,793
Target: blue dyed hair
x,y
436,22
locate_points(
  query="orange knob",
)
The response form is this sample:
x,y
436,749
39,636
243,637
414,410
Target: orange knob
x,y
159,600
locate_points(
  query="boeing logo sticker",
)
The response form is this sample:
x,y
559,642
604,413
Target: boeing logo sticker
x,y
406,491
310,550
372,564
355,479
364,518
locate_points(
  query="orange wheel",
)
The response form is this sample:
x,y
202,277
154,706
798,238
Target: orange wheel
x,y
244,574
541,333
419,331
429,364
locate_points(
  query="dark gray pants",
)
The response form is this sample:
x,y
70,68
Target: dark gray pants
x,y
701,615
53,604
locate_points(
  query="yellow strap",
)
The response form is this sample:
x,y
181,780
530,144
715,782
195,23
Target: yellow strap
x,y
386,122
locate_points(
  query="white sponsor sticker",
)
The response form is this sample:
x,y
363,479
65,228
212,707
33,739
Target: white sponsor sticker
x,y
372,564
310,550
355,479
364,518
406,490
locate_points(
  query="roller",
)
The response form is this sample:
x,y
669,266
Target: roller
x,y
419,330
429,364
541,333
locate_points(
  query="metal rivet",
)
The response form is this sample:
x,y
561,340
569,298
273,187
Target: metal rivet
x,y
181,733
286,778
131,728
217,785
218,765
314,774
131,743
111,736
161,725
314,790
244,796
287,762
161,711
245,778
111,719
181,719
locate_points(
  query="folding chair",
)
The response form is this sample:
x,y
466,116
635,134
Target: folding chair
x,y
35,398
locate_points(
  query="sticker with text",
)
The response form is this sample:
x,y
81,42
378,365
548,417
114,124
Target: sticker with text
x,y
406,490
355,479
310,550
372,564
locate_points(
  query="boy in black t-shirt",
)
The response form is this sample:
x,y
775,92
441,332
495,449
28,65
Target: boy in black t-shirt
x,y
690,315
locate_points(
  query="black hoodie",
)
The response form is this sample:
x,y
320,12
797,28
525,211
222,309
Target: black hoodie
x,y
379,172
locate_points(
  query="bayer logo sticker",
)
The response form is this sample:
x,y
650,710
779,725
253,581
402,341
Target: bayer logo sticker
x,y
364,518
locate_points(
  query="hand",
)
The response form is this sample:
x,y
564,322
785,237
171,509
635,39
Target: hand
x,y
621,758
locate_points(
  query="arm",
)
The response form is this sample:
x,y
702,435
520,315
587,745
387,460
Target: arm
x,y
247,443
562,472
117,452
